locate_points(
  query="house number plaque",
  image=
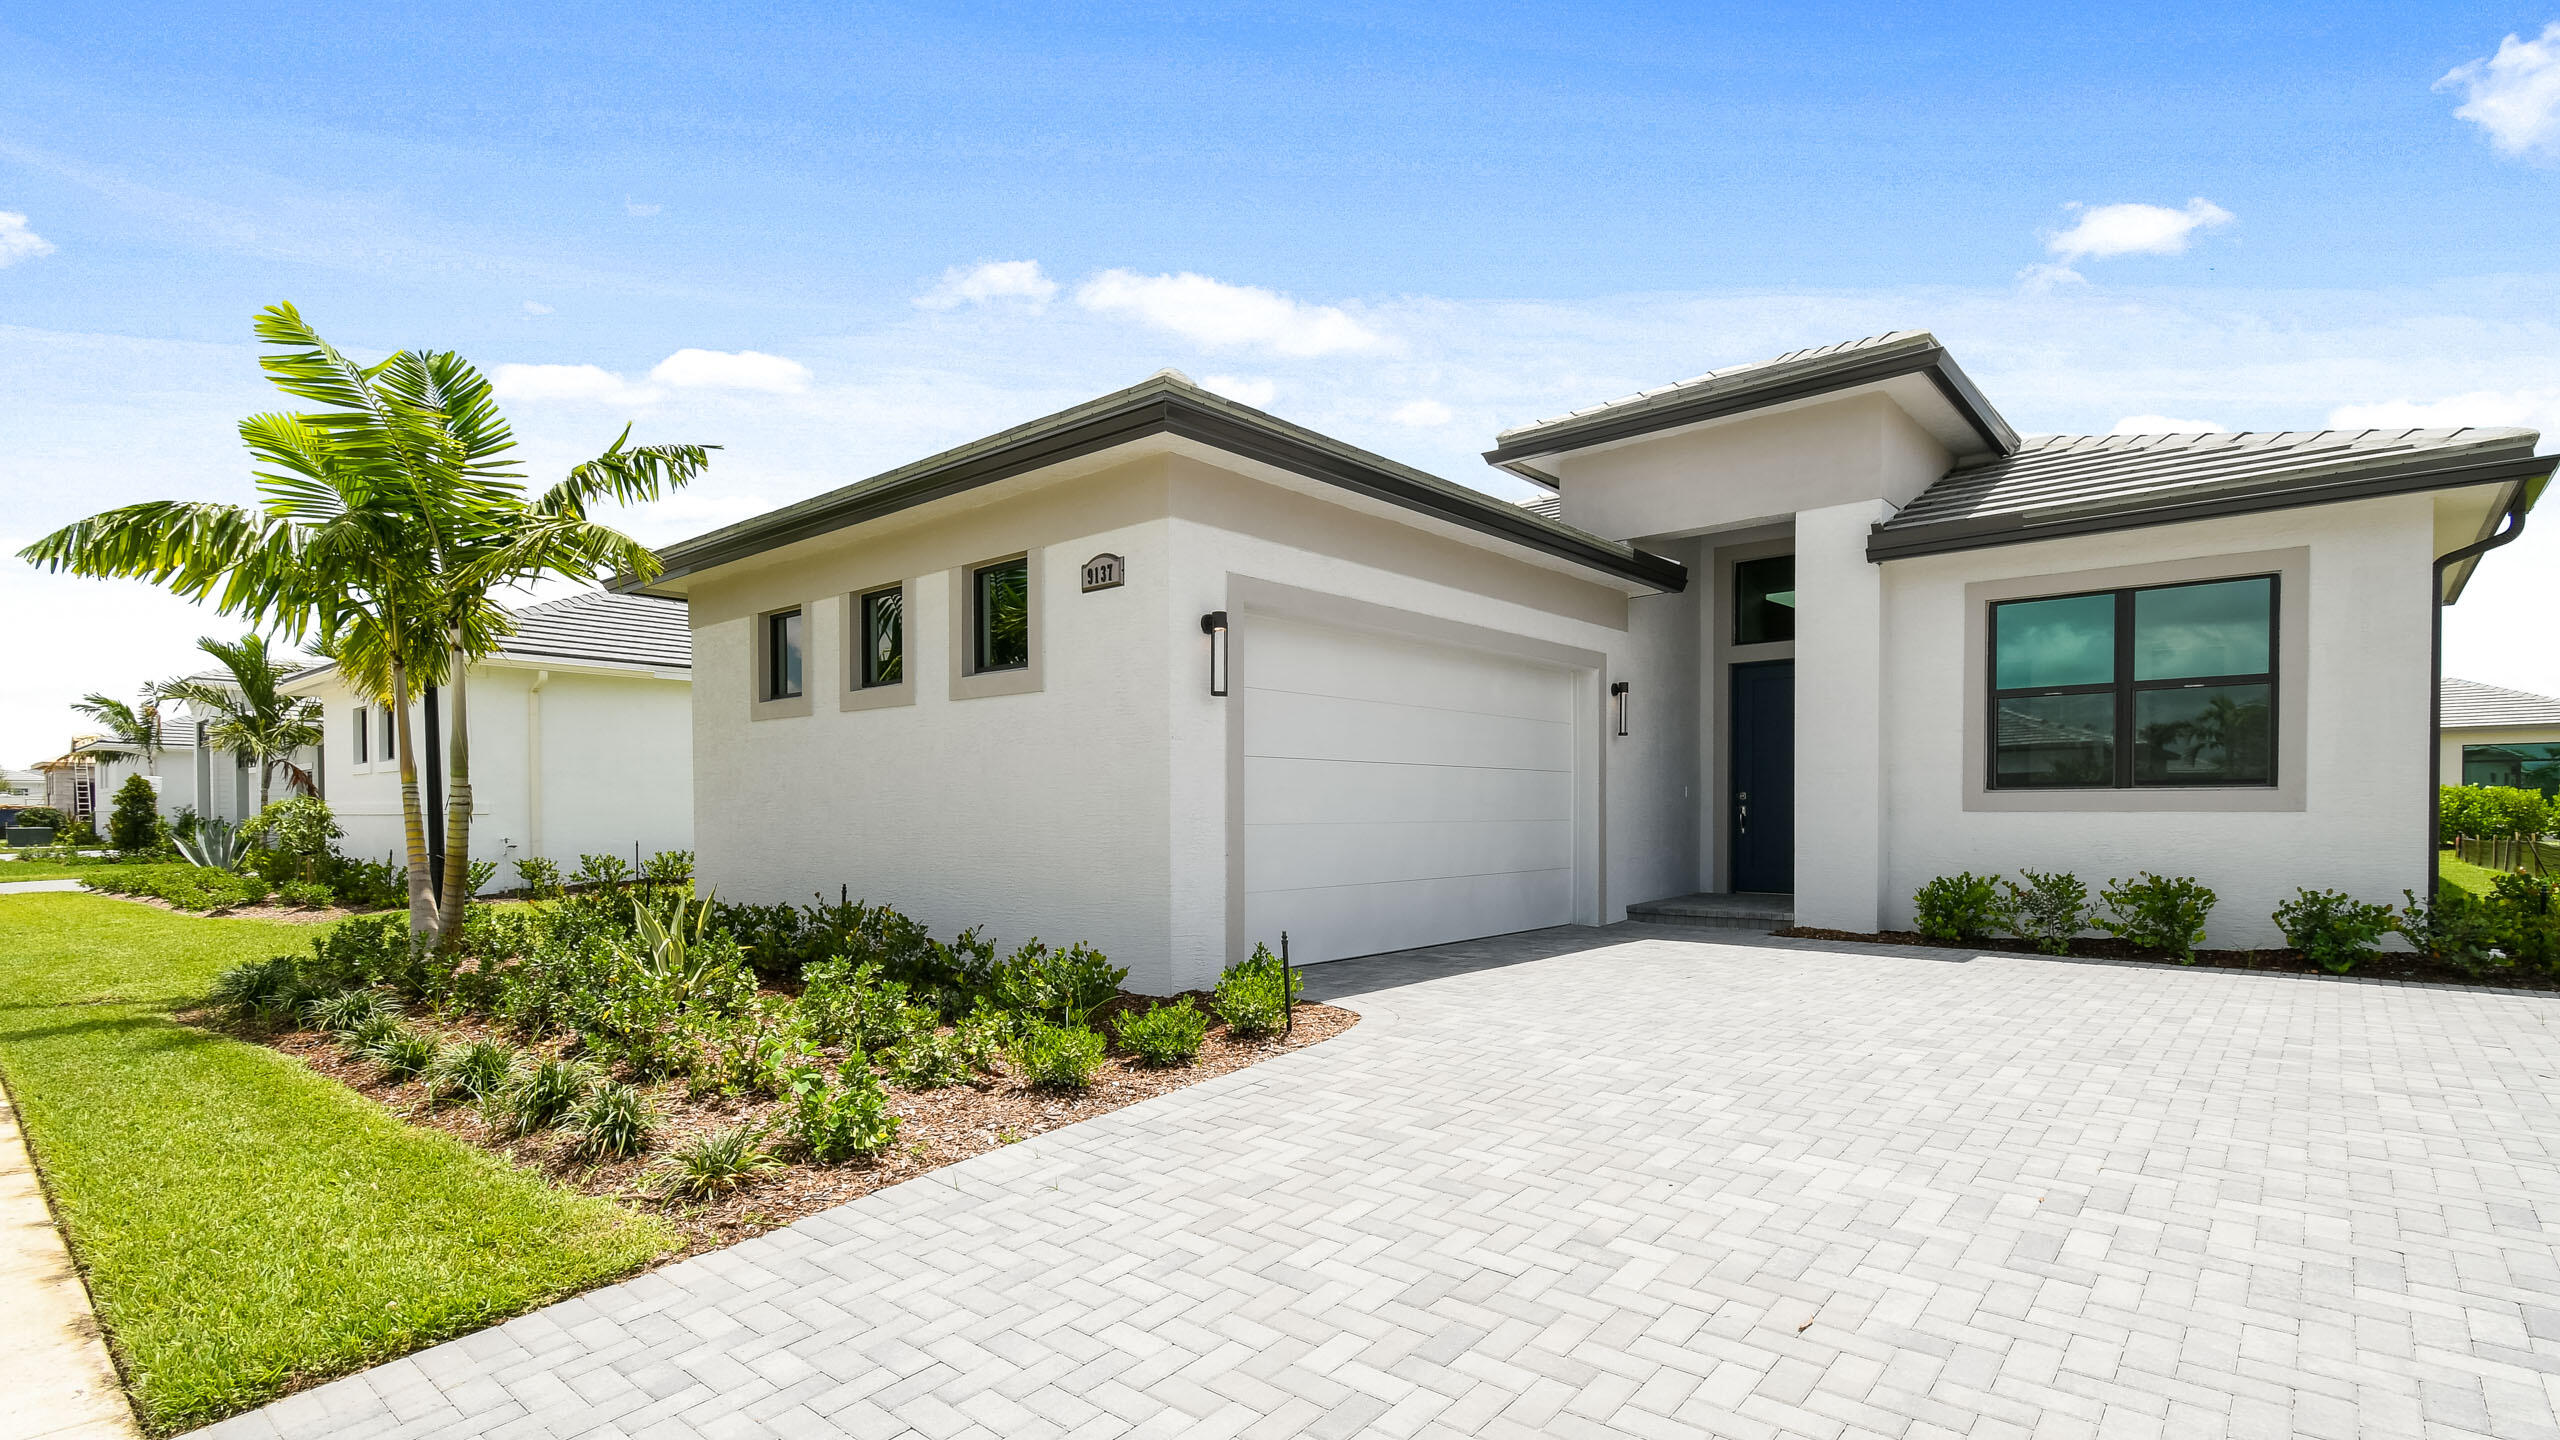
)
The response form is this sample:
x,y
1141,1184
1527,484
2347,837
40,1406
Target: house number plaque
x,y
1102,572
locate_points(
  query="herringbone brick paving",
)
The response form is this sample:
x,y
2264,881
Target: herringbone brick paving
x,y
1613,1184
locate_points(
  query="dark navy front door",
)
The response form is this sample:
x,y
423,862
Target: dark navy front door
x,y
1761,814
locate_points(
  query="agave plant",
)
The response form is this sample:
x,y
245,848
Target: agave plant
x,y
215,845
671,942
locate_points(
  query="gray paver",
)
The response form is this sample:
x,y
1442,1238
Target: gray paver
x,y
1623,1183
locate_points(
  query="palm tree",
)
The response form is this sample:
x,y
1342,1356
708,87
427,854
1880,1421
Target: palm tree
x,y
388,520
131,728
251,715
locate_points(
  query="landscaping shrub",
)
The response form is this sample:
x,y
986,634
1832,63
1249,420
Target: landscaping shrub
x,y
601,872
1958,909
1058,1057
1166,1035
366,884
981,1037
539,877
2155,913
403,1054
2528,911
927,1059
134,824
188,887
309,894
750,1053
835,1122
671,868
371,951
471,1070
1254,995
2047,911
709,1166
1062,985
612,1123
2332,930
300,833
2457,929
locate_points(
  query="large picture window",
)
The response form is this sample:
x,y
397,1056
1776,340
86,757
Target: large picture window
x,y
1000,615
2156,686
2527,765
881,635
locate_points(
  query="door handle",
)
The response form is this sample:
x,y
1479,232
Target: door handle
x,y
1742,812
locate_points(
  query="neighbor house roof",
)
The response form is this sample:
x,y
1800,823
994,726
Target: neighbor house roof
x,y
596,627
1736,389
2470,705
2085,484
1166,403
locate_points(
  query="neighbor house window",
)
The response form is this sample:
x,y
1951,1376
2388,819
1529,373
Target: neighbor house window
x,y
782,655
1764,600
361,731
881,637
390,736
2527,765
2163,685
1000,615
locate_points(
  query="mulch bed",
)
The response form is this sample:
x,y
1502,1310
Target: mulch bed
x,y
939,1127
2387,966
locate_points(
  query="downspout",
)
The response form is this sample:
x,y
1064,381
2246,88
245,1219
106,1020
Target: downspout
x,y
2435,681
533,764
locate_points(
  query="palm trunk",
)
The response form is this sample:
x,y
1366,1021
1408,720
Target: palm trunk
x,y
457,812
422,905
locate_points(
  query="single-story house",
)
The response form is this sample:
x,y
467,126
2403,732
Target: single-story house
x,y
1170,675
581,740
2495,736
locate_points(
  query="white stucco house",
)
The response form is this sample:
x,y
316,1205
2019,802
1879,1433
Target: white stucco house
x,y
2495,736
581,740
1170,675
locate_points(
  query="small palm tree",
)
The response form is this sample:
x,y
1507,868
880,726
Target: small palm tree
x,y
131,728
250,714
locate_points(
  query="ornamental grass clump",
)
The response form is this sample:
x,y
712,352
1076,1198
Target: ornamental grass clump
x,y
538,1096
1166,1036
710,1166
403,1054
2333,931
612,1123
1058,1057
1958,909
1254,995
2157,913
349,1009
473,1070
2046,912
263,992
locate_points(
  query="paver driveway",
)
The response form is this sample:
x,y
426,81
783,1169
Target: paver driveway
x,y
1601,1183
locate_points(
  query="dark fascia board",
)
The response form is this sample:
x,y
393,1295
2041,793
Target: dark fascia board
x,y
2528,471
1158,409
1932,361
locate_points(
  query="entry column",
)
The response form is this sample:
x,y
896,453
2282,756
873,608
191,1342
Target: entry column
x,y
1839,718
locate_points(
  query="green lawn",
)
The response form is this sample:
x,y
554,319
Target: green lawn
x,y
2474,878
47,869
245,1222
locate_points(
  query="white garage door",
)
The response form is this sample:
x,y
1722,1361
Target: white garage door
x,y
1400,793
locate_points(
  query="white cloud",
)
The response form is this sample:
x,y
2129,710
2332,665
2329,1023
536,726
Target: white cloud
x,y
567,382
1254,390
2102,231
17,242
1422,414
2535,409
2164,425
536,307
995,280
2514,94
1216,314
639,208
2045,279
732,370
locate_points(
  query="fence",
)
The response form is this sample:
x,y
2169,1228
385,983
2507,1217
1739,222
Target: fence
x,y
2507,852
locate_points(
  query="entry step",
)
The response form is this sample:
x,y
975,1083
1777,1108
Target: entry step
x,y
1718,912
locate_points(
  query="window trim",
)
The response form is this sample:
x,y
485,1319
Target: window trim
x,y
967,681
2124,689
2292,569
855,695
763,705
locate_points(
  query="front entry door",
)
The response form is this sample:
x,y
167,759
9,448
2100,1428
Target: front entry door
x,y
1761,814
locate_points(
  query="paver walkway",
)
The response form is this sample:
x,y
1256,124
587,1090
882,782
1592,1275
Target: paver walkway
x,y
1593,1184
35,887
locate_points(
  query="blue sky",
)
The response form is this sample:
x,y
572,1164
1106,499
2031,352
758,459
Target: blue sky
x,y
1405,226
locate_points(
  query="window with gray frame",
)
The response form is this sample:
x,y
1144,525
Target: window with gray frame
x,y
2160,685
1000,615
1764,600
782,655
2526,765
881,635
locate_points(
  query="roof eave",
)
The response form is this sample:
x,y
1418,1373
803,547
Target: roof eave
x,y
2020,528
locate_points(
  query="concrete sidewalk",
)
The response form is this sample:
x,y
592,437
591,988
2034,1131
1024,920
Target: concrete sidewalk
x,y
53,1367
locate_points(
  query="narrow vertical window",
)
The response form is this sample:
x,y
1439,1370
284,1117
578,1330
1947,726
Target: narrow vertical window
x,y
390,736
782,655
1000,618
361,732
882,627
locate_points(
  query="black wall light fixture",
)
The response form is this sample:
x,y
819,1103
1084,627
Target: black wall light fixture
x,y
1618,697
1214,625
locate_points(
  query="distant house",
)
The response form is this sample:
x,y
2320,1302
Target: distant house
x,y
580,732
2495,736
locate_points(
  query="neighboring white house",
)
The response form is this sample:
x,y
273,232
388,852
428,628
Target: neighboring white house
x,y
2496,736
1169,675
581,739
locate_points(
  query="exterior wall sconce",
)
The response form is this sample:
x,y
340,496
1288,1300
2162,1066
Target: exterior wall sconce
x,y
1214,625
1618,697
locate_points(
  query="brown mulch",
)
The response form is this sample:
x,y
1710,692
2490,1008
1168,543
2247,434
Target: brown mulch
x,y
289,914
939,1127
2389,965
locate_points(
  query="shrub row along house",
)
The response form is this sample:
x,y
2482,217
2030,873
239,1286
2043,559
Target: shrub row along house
x,y
1173,675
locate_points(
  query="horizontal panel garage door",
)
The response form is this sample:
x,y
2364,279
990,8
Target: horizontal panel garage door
x,y
1399,793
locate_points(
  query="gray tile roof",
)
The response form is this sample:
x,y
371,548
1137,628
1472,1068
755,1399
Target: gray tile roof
x,y
2079,484
1808,361
1550,506
600,627
2470,705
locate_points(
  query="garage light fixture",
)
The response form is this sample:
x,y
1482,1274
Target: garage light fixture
x,y
1618,697
1214,625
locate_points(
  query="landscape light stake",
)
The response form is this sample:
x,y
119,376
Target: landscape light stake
x,y
1288,991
